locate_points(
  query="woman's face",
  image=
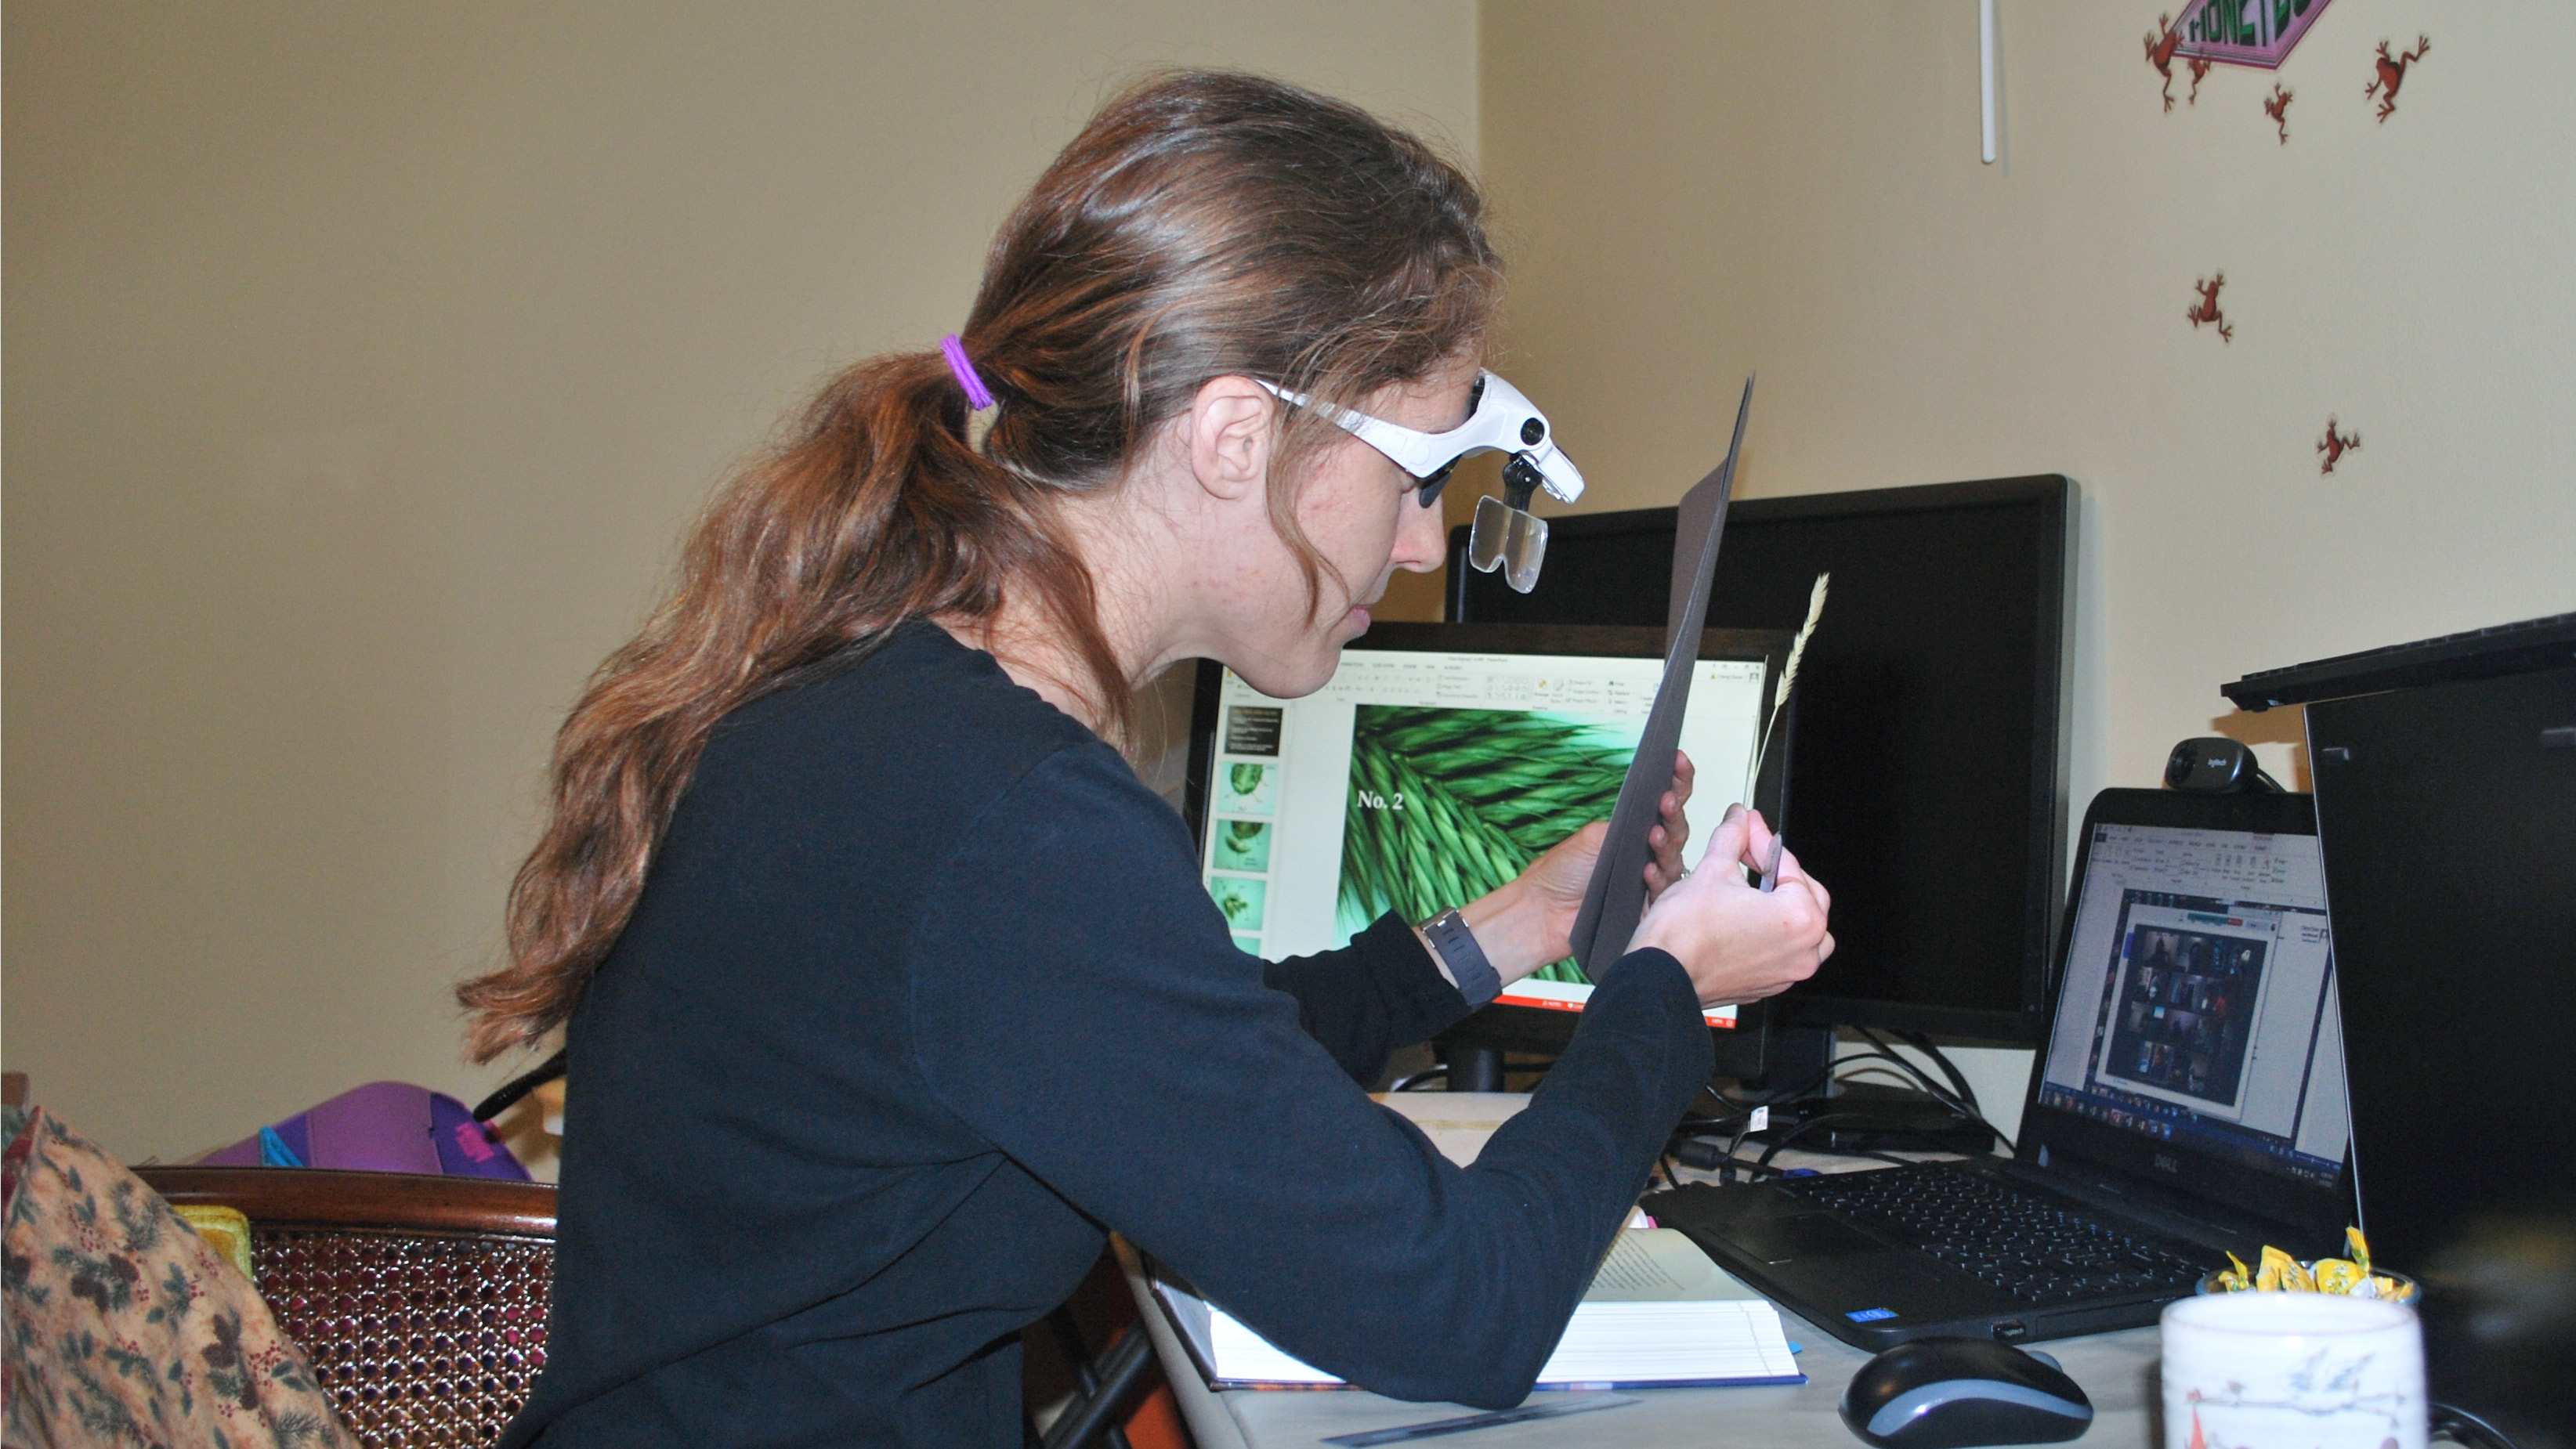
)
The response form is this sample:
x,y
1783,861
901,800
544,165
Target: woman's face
x,y
1363,514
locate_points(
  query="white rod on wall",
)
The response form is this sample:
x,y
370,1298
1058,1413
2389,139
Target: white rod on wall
x,y
1986,77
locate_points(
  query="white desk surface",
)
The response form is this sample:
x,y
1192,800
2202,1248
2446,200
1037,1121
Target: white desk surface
x,y
2116,1370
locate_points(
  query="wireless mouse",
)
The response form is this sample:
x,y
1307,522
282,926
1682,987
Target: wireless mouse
x,y
1948,1393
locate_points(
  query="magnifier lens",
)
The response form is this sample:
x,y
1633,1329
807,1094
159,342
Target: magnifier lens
x,y
1524,550
1485,544
1509,539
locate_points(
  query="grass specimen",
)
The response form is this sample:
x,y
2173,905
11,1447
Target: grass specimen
x,y
1448,804
1788,677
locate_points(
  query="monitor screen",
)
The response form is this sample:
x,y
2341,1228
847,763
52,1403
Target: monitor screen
x,y
2199,1004
1438,762
1927,781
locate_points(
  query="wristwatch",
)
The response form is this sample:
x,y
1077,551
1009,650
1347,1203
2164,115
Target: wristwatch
x,y
1477,980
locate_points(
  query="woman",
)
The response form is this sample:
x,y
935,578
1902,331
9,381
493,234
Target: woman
x,y
888,988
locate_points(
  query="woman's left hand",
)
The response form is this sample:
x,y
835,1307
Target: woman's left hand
x,y
1530,922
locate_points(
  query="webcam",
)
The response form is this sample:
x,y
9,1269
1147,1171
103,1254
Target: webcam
x,y
2213,765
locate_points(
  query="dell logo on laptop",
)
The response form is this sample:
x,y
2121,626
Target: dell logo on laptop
x,y
2166,1162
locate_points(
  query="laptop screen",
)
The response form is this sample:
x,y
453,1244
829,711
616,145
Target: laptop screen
x,y
2198,1005
1422,777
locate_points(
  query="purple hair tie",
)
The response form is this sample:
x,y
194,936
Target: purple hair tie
x,y
978,396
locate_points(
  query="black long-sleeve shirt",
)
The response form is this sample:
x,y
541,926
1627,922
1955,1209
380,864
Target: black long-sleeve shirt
x,y
922,996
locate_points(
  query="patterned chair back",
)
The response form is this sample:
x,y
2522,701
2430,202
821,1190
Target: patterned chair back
x,y
421,1299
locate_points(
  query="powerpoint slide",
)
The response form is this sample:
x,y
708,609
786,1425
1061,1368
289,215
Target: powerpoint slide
x,y
1240,898
1244,788
1417,781
1447,804
1242,845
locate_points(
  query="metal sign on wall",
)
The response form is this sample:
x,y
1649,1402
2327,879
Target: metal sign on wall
x,y
2245,32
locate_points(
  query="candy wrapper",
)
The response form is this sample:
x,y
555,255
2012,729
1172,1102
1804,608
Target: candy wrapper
x,y
2281,1273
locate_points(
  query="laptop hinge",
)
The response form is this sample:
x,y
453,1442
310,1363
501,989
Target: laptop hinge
x,y
2182,1214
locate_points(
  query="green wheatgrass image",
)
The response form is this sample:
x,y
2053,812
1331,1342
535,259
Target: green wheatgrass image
x,y
1245,788
1482,793
1242,845
1239,898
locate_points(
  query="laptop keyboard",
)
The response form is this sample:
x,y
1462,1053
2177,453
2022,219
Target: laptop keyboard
x,y
2023,1243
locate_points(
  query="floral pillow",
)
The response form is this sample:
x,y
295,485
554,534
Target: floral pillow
x,y
125,1327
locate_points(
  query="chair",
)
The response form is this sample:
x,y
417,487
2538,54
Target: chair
x,y
1088,1369
1106,1392
421,1300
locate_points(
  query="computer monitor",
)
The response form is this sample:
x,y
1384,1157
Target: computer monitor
x,y
2197,1039
1927,778
1438,762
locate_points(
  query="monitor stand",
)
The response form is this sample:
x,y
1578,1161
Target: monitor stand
x,y
1473,1051
1475,1068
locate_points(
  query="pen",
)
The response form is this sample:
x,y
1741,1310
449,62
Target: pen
x,y
1546,1406
1771,872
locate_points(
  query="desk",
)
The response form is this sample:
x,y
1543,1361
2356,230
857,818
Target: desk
x,y
2116,1370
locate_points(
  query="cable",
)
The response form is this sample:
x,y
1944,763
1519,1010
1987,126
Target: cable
x,y
1734,1145
1706,1157
1915,1083
1406,1083
1886,1157
1834,1068
1930,1088
1879,1051
1777,1096
1709,1157
1966,1110
1694,1151
1772,1148
2463,1427
519,1086
1922,1042
1958,1097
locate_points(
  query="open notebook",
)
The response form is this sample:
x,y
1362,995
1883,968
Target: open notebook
x,y
1658,1313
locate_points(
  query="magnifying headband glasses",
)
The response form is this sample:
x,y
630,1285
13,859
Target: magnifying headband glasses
x,y
1507,536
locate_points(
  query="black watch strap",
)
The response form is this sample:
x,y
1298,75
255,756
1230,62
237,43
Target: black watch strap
x,y
1477,980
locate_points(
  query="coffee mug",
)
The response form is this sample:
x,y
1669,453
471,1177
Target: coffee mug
x,y
2314,1370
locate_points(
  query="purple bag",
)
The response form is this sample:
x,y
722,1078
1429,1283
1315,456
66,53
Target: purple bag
x,y
380,1127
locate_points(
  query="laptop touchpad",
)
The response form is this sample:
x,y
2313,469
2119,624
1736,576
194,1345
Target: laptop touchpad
x,y
1809,1235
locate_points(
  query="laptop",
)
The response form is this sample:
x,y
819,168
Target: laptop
x,y
2189,1102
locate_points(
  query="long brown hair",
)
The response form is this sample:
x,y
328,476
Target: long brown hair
x,y
1202,225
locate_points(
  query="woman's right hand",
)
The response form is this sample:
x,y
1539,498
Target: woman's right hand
x,y
1738,943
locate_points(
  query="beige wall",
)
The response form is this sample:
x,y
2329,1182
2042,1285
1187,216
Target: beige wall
x,y
1698,191
363,364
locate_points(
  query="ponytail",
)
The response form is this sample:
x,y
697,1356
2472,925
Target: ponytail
x,y
1204,225
876,513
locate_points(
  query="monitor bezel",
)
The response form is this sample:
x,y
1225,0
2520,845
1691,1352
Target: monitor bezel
x,y
2052,704
1502,1026
2316,1210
